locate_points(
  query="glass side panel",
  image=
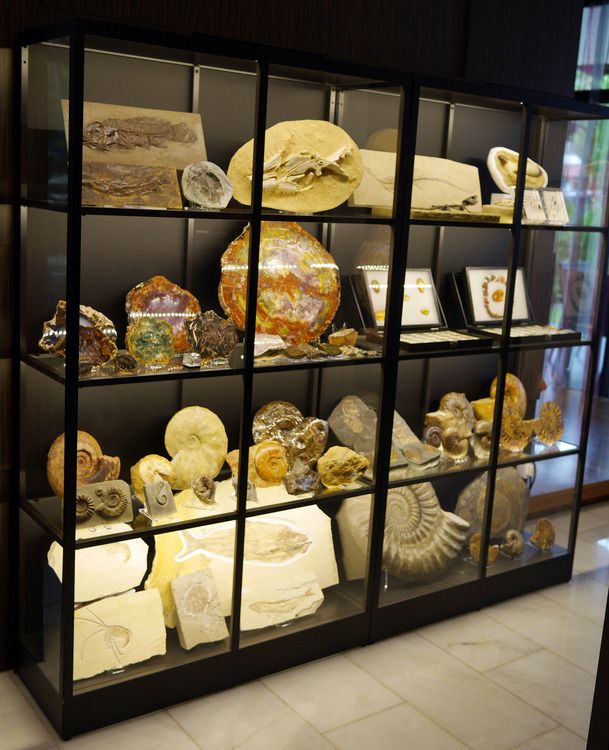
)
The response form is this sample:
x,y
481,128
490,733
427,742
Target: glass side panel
x,y
293,577
46,80
425,542
152,116
533,508
330,145
39,600
593,56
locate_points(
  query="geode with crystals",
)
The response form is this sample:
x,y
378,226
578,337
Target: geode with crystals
x,y
206,185
161,299
211,336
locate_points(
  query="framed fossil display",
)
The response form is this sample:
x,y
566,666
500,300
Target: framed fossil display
x,y
487,288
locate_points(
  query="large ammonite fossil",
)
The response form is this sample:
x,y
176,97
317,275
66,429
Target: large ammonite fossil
x,y
421,540
298,283
91,465
550,426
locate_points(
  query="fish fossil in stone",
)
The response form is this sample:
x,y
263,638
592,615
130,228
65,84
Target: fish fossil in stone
x,y
135,132
266,541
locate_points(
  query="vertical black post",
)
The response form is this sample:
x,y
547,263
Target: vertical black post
x,y
407,134
77,62
504,349
250,333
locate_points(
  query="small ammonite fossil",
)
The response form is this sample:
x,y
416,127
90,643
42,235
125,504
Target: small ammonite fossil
x,y
204,488
113,502
85,508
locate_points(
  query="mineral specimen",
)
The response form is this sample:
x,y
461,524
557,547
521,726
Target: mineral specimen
x,y
298,283
301,478
340,466
206,185
151,341
163,300
126,363
343,337
211,336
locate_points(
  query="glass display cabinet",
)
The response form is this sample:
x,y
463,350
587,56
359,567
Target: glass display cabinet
x,y
294,373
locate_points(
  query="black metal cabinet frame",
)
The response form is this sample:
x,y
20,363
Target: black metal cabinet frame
x,y
73,712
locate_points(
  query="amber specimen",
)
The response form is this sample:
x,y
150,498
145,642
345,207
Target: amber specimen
x,y
162,299
150,340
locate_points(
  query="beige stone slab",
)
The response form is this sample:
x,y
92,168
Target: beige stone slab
x,y
442,182
118,631
104,570
164,138
267,603
376,187
200,618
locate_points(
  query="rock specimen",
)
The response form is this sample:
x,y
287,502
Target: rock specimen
x,y
211,336
103,503
298,283
97,335
129,185
200,618
150,341
510,503
301,478
343,337
91,465
421,540
126,363
118,631
309,165
302,437
206,185
150,469
340,466
196,440
268,344
104,570
502,164
544,536
283,600
163,300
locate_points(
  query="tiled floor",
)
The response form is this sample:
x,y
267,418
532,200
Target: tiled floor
x,y
518,675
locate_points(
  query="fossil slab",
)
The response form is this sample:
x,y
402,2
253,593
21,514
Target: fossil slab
x,y
163,300
510,503
129,185
377,185
283,600
103,570
298,282
200,618
309,165
502,163
118,631
206,185
103,503
444,184
120,134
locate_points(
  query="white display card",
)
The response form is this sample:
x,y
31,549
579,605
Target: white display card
x,y
487,289
532,208
555,207
420,305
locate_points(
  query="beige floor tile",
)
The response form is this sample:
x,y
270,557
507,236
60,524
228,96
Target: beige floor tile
x,y
479,641
331,692
553,626
590,557
588,520
157,731
394,729
582,594
457,698
289,731
230,718
554,686
596,535
601,510
20,727
556,739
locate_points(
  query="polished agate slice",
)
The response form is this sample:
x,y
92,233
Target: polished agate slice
x,y
162,299
97,335
150,340
206,185
298,283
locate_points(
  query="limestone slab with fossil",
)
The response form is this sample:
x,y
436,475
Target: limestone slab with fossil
x,y
118,134
284,599
121,185
118,631
200,618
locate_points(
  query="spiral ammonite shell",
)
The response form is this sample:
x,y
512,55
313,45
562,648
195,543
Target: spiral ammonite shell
x,y
550,426
270,461
432,435
113,503
85,508
421,540
457,404
91,465
515,393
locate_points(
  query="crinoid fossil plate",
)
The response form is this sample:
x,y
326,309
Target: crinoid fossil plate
x,y
510,503
421,540
115,133
298,283
309,165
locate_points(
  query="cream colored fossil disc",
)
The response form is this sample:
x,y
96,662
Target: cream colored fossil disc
x,y
196,440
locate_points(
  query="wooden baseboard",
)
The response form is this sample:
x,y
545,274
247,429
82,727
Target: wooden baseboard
x,y
553,502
